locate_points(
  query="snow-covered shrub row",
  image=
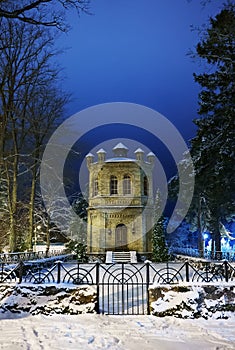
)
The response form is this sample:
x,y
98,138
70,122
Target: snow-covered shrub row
x,y
193,301
47,299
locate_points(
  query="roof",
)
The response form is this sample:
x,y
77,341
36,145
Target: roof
x,y
120,146
139,150
101,151
89,155
120,159
150,154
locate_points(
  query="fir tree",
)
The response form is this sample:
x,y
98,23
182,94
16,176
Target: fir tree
x,y
213,147
160,250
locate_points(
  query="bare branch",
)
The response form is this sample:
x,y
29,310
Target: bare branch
x,y
50,13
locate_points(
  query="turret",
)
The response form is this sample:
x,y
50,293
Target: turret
x,y
139,153
151,157
120,150
89,159
101,155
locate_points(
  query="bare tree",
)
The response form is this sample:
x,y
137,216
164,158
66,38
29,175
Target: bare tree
x,y
44,113
50,13
55,218
27,88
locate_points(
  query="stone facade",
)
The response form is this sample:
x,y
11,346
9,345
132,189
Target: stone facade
x,y
120,212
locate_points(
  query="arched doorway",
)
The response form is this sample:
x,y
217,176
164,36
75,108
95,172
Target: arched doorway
x,y
121,237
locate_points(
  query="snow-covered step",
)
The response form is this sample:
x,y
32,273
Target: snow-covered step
x,y
133,256
127,257
109,257
119,257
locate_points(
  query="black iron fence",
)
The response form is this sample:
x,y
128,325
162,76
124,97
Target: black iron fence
x,y
121,288
207,254
25,256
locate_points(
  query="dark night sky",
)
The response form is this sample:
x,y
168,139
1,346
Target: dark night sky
x,y
135,51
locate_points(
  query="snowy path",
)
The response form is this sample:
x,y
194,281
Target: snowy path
x,y
96,332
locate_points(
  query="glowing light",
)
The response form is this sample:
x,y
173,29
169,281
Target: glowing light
x,y
223,241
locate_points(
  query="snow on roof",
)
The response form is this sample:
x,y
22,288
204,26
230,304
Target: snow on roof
x,y
101,151
89,155
120,146
120,159
139,150
151,154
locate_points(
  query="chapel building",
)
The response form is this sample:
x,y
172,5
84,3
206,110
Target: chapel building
x,y
121,206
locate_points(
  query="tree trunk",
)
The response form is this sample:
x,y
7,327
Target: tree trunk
x,y
12,205
215,231
31,214
32,202
218,241
48,236
200,230
212,245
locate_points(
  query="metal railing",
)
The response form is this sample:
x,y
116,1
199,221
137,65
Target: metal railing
x,y
207,254
25,256
121,288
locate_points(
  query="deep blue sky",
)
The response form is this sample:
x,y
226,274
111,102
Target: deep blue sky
x,y
136,51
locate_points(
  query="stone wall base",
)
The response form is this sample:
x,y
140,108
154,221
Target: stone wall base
x,y
47,299
193,301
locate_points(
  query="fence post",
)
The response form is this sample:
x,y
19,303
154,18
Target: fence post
x,y
21,270
1,272
123,300
147,286
187,271
97,288
58,271
226,271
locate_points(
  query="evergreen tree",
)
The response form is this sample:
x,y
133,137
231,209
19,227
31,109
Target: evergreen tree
x,y
198,213
78,226
160,250
79,249
80,205
213,148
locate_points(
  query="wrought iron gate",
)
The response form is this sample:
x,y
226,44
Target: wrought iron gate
x,y
123,289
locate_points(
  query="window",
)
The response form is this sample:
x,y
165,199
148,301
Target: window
x,y
145,186
113,185
126,184
95,187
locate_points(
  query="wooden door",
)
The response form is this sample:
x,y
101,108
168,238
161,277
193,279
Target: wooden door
x,y
121,237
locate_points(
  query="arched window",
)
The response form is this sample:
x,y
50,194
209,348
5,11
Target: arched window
x,y
146,186
126,184
113,185
95,187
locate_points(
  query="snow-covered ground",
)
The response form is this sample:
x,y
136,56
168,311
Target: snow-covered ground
x,y
104,332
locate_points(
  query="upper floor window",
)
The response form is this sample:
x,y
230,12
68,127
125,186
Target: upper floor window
x,y
95,187
145,186
113,185
126,184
